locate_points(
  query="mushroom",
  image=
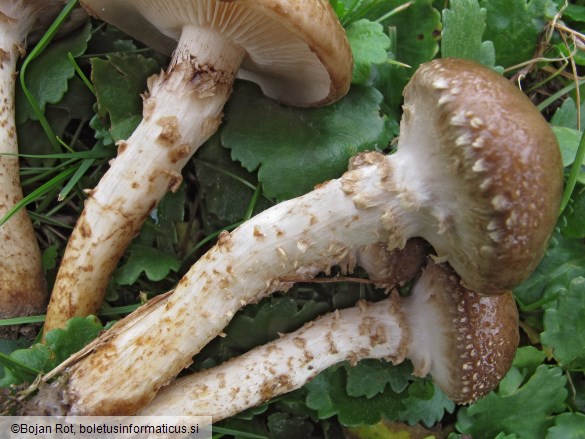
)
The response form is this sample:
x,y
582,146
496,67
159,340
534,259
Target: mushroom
x,y
464,340
477,174
22,284
295,50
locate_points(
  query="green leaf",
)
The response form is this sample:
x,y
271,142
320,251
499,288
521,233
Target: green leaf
x,y
568,426
526,412
369,45
327,395
563,261
259,325
160,229
417,29
568,139
8,346
429,411
60,344
155,263
282,425
567,116
514,27
48,75
38,357
78,332
415,32
463,27
574,226
575,12
49,257
75,105
119,82
568,313
226,187
528,358
340,7
511,382
370,377
295,149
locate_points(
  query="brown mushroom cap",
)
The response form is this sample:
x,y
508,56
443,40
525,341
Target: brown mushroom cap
x,y
488,169
466,341
296,50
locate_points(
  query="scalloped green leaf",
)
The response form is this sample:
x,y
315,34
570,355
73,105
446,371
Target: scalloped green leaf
x,y
154,263
59,345
328,396
295,149
279,315
563,261
568,426
462,37
422,409
370,377
369,45
48,75
525,412
119,81
568,312
78,332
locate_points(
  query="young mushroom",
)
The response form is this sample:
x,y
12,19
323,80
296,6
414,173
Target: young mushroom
x,y
296,51
22,284
464,340
477,174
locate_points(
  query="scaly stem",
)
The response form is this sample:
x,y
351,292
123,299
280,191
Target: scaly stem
x,y
298,238
366,331
183,108
465,341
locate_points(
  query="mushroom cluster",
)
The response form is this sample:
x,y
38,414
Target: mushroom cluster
x,y
480,180
297,53
464,340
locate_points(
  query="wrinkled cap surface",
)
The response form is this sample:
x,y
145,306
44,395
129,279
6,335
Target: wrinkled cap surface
x,y
487,168
296,50
466,341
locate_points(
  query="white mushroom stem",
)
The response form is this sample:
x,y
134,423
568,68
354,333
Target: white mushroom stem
x,y
295,239
464,341
181,110
298,238
22,285
369,331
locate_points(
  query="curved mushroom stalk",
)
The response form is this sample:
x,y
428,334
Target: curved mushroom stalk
x,y
22,283
492,227
293,60
465,341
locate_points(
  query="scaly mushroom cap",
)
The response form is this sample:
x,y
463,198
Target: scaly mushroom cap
x,y
485,153
464,340
296,50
